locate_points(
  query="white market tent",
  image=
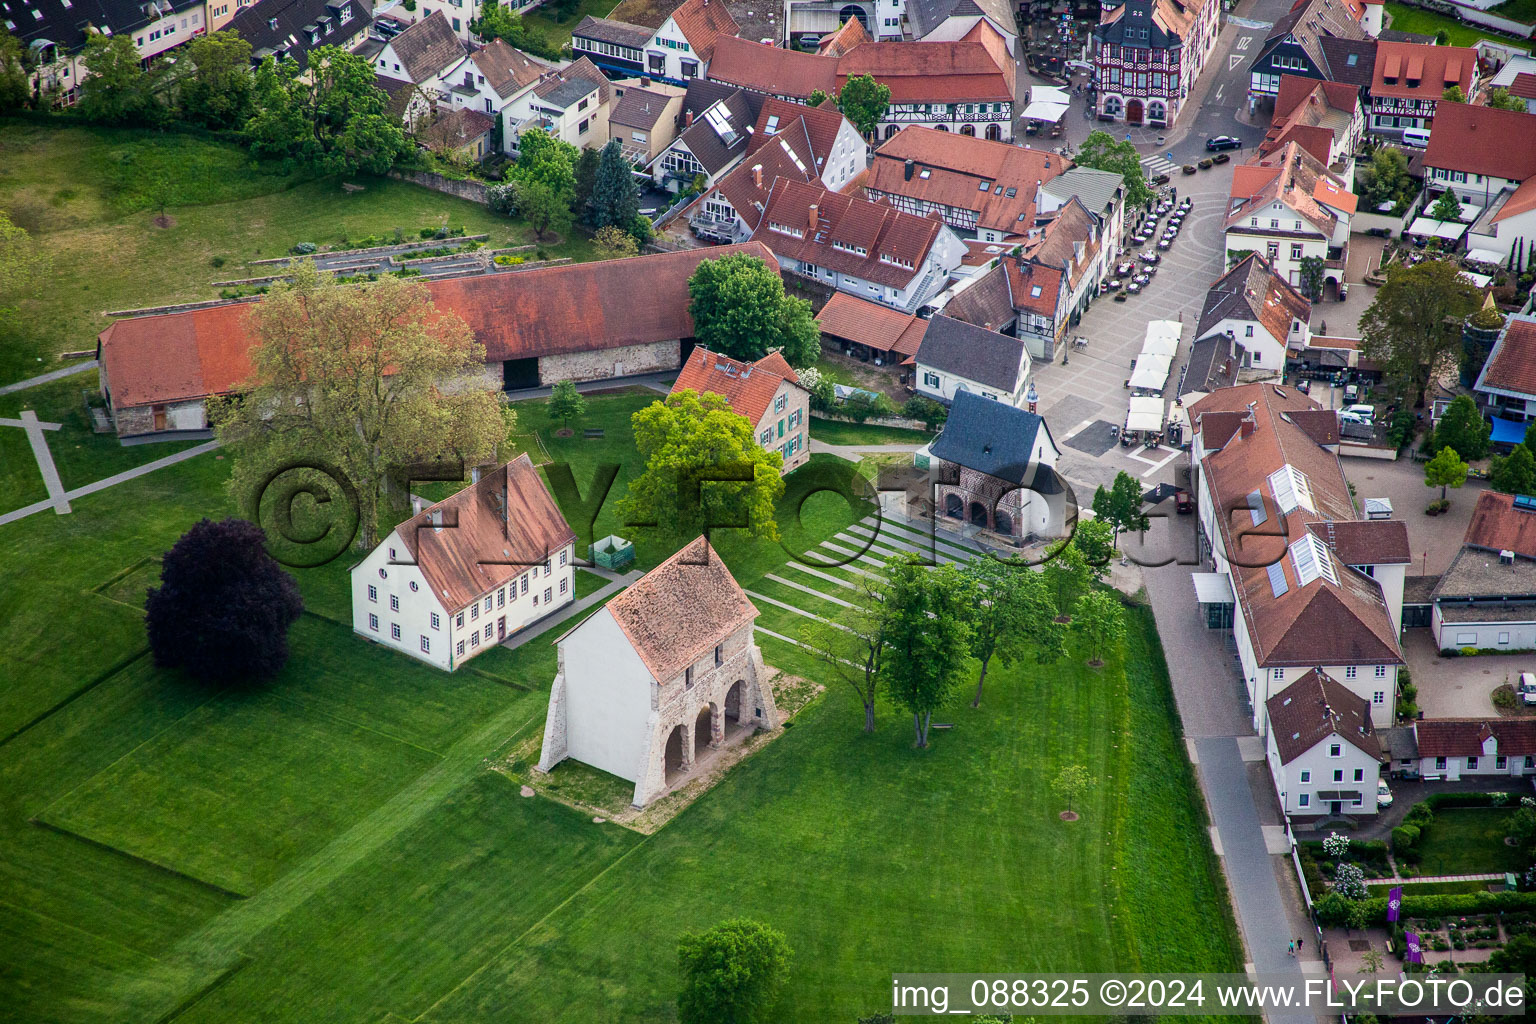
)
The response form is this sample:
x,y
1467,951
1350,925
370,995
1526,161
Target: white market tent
x,y
1431,228
1151,373
1488,256
1145,414
1049,94
1045,110
1162,338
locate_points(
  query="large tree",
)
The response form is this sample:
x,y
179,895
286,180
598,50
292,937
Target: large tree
x,y
1103,152
1463,428
1500,99
1447,208
544,158
1413,326
929,638
566,403
1120,506
739,309
703,469
545,209
615,196
215,85
1013,612
502,22
14,85
1095,541
1515,473
223,607
367,377
329,115
1385,178
1069,575
23,261
116,88
1098,621
853,647
732,974
864,102
1445,470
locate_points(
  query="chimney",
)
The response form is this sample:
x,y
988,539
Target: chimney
x,y
757,176
687,118
906,170
815,216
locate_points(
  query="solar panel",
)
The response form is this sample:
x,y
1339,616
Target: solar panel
x,y
1525,503
1277,582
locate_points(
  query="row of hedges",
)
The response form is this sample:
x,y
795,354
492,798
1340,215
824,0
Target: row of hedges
x,y
1331,910
1361,851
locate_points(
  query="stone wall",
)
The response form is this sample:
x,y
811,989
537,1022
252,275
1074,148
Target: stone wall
x,y
474,191
600,364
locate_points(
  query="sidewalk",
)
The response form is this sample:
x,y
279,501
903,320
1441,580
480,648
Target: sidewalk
x,y
543,626
44,378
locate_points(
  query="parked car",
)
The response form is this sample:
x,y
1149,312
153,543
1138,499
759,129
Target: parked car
x,y
1367,411
1527,688
1351,393
1304,386
1183,503
1383,793
1220,142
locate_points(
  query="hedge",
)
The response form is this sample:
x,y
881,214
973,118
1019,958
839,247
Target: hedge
x,y
1439,800
1365,851
1434,906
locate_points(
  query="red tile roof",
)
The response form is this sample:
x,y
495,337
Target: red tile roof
x,y
1498,526
870,324
1366,541
950,169
842,224
1477,140
677,612
1524,86
1464,737
1035,287
774,70
506,522
1522,200
1309,112
1298,180
702,23
1421,70
810,131
835,44
748,387
1252,290
1512,364
1312,709
580,307
750,182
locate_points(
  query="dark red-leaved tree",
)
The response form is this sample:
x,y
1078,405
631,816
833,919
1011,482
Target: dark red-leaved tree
x,y
223,607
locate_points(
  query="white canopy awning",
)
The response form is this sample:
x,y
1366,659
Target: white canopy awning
x,y
1488,256
1478,280
1429,227
1049,94
1146,413
1162,338
1213,588
1151,372
1045,110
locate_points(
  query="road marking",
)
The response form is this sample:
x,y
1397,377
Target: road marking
x,y
1243,41
1069,435
1235,60
1160,465
1220,87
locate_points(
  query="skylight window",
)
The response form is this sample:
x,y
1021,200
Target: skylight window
x,y
1291,489
1256,508
925,173
1277,582
984,186
1034,291
1310,558
772,125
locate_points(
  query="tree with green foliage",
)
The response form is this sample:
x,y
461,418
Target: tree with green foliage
x,y
853,648
1414,324
1311,270
1530,430
615,196
15,87
215,86
116,88
586,181
864,102
930,636
1518,956
1070,783
816,98
367,376
1500,99
695,448
1012,612
732,973
1447,208
1384,178
23,261
739,309
545,210
1069,574
1445,470
1463,428
1453,94
500,21
1095,541
329,115
1515,473
614,243
1120,506
1098,621
566,403
1103,152
543,158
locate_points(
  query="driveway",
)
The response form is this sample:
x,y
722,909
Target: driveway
x,y
1433,542
1459,687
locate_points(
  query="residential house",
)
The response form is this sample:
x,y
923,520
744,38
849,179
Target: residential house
x,y
492,77
982,188
940,20
1290,208
1102,194
571,104
663,671
837,25
53,34
1487,598
581,321
1506,385
994,467
1076,242
1271,499
1148,55
767,392
644,120
614,46
459,14
717,126
790,142
1472,155
1323,752
291,28
418,58
1255,316
868,249
1410,78
465,574
460,134
1450,749
959,357
1518,78
1326,119
965,86
1294,45
1523,87
868,330
675,51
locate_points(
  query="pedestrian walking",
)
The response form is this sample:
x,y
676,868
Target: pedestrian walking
x,y
1299,944
1290,949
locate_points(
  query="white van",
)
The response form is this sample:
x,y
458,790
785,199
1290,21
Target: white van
x,y
1418,138
1527,688
1356,419
1367,411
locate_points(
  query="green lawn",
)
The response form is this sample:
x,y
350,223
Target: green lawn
x,y
840,432
1517,10
1467,841
1416,19
557,29
1431,888
84,193
391,875
588,582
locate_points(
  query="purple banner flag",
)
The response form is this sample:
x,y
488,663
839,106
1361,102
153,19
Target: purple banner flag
x,y
1415,951
1394,902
